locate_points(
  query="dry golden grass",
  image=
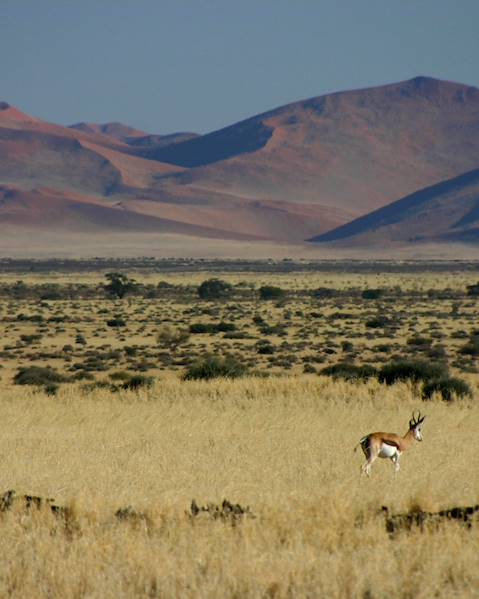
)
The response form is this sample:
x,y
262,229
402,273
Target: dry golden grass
x,y
283,446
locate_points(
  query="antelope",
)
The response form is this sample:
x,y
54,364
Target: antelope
x,y
389,445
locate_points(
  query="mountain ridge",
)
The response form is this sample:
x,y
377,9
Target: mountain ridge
x,y
288,174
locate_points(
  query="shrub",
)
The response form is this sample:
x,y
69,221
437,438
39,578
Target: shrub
x,y
137,381
377,322
270,292
324,293
225,327
473,290
471,348
51,388
372,293
214,289
414,370
120,375
169,336
29,339
437,352
212,367
448,388
345,370
211,327
37,375
116,322
419,341
265,347
119,284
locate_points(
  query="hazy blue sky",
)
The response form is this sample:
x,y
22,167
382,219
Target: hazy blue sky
x,y
197,65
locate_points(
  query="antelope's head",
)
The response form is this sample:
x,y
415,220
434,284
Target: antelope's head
x,y
415,425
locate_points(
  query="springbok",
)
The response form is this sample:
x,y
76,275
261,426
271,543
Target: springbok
x,y
389,445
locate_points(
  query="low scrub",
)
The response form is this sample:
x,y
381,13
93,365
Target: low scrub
x,y
212,327
212,367
270,292
349,372
448,388
137,381
213,289
414,370
37,375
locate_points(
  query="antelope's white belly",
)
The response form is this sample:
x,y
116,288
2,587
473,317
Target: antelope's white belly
x,y
387,451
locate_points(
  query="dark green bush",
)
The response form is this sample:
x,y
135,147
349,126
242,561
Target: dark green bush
x,y
37,375
212,289
265,347
414,370
119,284
372,293
377,322
345,370
419,341
212,367
324,293
120,375
225,327
471,348
212,327
448,388
51,388
137,381
270,292
473,290
116,322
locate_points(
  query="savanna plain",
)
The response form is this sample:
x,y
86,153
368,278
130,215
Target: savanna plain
x,y
137,397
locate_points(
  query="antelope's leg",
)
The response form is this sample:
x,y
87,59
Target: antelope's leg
x,y
371,456
395,459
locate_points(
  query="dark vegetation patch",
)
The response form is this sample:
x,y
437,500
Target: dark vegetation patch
x,y
349,372
9,500
413,370
421,520
211,367
447,388
37,375
226,511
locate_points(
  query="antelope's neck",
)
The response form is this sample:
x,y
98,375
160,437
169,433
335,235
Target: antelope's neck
x,y
408,439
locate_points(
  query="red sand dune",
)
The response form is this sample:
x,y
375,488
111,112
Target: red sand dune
x,y
287,175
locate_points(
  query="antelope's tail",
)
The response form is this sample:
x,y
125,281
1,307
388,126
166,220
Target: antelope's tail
x,y
362,441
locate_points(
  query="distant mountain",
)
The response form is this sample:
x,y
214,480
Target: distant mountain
x,y
131,136
354,151
118,131
447,211
286,175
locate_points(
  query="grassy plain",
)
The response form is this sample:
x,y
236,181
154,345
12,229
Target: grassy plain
x,y
282,445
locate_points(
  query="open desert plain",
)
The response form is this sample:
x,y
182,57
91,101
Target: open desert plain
x,y
186,429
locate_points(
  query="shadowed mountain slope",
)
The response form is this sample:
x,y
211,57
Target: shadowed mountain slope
x,y
354,151
446,211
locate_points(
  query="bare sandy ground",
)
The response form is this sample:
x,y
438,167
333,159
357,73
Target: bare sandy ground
x,y
28,243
